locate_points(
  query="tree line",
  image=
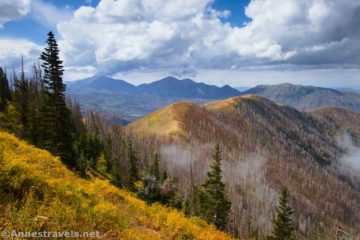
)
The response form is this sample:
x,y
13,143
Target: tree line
x,y
37,109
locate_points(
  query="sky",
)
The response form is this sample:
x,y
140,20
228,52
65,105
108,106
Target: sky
x,y
235,42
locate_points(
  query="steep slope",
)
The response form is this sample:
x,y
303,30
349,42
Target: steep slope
x,y
164,122
300,151
186,88
341,118
38,193
307,97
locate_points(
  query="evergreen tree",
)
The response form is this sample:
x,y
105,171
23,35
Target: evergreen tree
x,y
164,176
133,166
81,146
107,154
282,223
5,93
214,205
154,169
22,101
56,125
33,107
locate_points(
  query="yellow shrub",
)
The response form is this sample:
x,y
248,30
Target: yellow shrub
x,y
38,193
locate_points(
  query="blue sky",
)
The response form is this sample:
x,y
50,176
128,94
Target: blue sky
x,y
28,28
237,42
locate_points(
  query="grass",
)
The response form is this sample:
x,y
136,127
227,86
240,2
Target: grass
x,y
164,122
38,193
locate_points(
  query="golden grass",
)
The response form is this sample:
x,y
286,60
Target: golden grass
x,y
38,193
164,122
229,103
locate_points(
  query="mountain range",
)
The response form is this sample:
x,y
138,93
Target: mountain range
x,y
126,102
307,97
169,87
266,147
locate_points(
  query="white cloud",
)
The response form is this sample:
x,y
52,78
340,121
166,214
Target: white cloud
x,y
187,35
13,9
12,50
47,14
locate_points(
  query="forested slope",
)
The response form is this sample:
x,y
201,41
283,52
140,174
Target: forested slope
x,y
266,147
38,193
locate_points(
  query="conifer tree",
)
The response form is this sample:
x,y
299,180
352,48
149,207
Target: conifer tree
x,y
154,169
282,223
22,101
133,166
57,127
33,106
5,93
214,203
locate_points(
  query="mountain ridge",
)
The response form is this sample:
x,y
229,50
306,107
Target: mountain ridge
x,y
301,148
307,97
166,87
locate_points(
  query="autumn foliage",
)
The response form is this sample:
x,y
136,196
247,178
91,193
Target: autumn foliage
x,y
37,193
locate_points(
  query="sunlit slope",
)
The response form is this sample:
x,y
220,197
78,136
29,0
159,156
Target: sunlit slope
x,y
167,121
228,104
38,193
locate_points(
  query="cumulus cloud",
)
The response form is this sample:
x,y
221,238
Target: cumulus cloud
x,y
13,9
12,50
309,32
187,35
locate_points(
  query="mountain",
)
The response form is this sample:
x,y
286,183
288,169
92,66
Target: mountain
x,y
349,89
266,147
168,87
307,97
101,83
122,107
123,102
242,89
38,192
186,88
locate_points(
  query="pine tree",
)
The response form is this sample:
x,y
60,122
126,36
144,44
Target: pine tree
x,y
5,93
133,166
214,203
154,169
22,102
57,127
282,223
33,106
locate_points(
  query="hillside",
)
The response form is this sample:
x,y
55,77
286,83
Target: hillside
x,y
38,193
164,122
307,97
342,118
266,147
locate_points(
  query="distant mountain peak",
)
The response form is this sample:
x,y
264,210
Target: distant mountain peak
x,y
307,97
